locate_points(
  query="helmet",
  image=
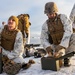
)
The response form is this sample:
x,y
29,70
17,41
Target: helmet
x,y
50,7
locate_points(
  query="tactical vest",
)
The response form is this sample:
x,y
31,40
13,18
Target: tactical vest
x,y
8,38
56,30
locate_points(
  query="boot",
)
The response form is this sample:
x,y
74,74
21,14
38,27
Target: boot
x,y
66,62
26,65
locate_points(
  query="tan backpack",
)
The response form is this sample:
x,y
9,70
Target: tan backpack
x,y
24,23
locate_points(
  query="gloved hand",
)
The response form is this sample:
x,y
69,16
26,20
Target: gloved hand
x,y
49,50
59,47
57,55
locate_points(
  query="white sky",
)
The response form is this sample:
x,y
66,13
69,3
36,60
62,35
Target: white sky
x,y
35,8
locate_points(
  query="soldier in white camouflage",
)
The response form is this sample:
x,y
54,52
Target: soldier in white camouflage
x,y
12,47
57,34
72,17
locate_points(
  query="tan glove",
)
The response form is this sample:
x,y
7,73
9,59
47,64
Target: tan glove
x,y
57,55
49,50
58,47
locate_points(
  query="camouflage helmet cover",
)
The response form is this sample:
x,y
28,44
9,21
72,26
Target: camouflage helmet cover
x,y
50,7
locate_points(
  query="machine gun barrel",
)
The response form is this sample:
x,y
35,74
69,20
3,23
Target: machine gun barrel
x,y
66,56
32,45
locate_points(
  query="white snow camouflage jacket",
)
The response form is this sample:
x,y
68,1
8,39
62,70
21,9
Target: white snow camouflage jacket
x,y
67,34
18,47
72,16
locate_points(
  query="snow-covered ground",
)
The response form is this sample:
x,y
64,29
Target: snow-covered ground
x,y
36,69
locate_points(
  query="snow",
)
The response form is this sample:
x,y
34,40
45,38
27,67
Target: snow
x,y
36,69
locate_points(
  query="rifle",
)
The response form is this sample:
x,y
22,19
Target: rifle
x,y
52,63
1,69
31,45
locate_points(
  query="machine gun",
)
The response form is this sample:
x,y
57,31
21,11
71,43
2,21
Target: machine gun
x,y
52,63
28,52
1,62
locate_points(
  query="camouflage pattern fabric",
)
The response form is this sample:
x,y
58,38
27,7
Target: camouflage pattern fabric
x,y
4,59
11,68
31,61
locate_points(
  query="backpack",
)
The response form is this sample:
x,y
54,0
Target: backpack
x,y
24,23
